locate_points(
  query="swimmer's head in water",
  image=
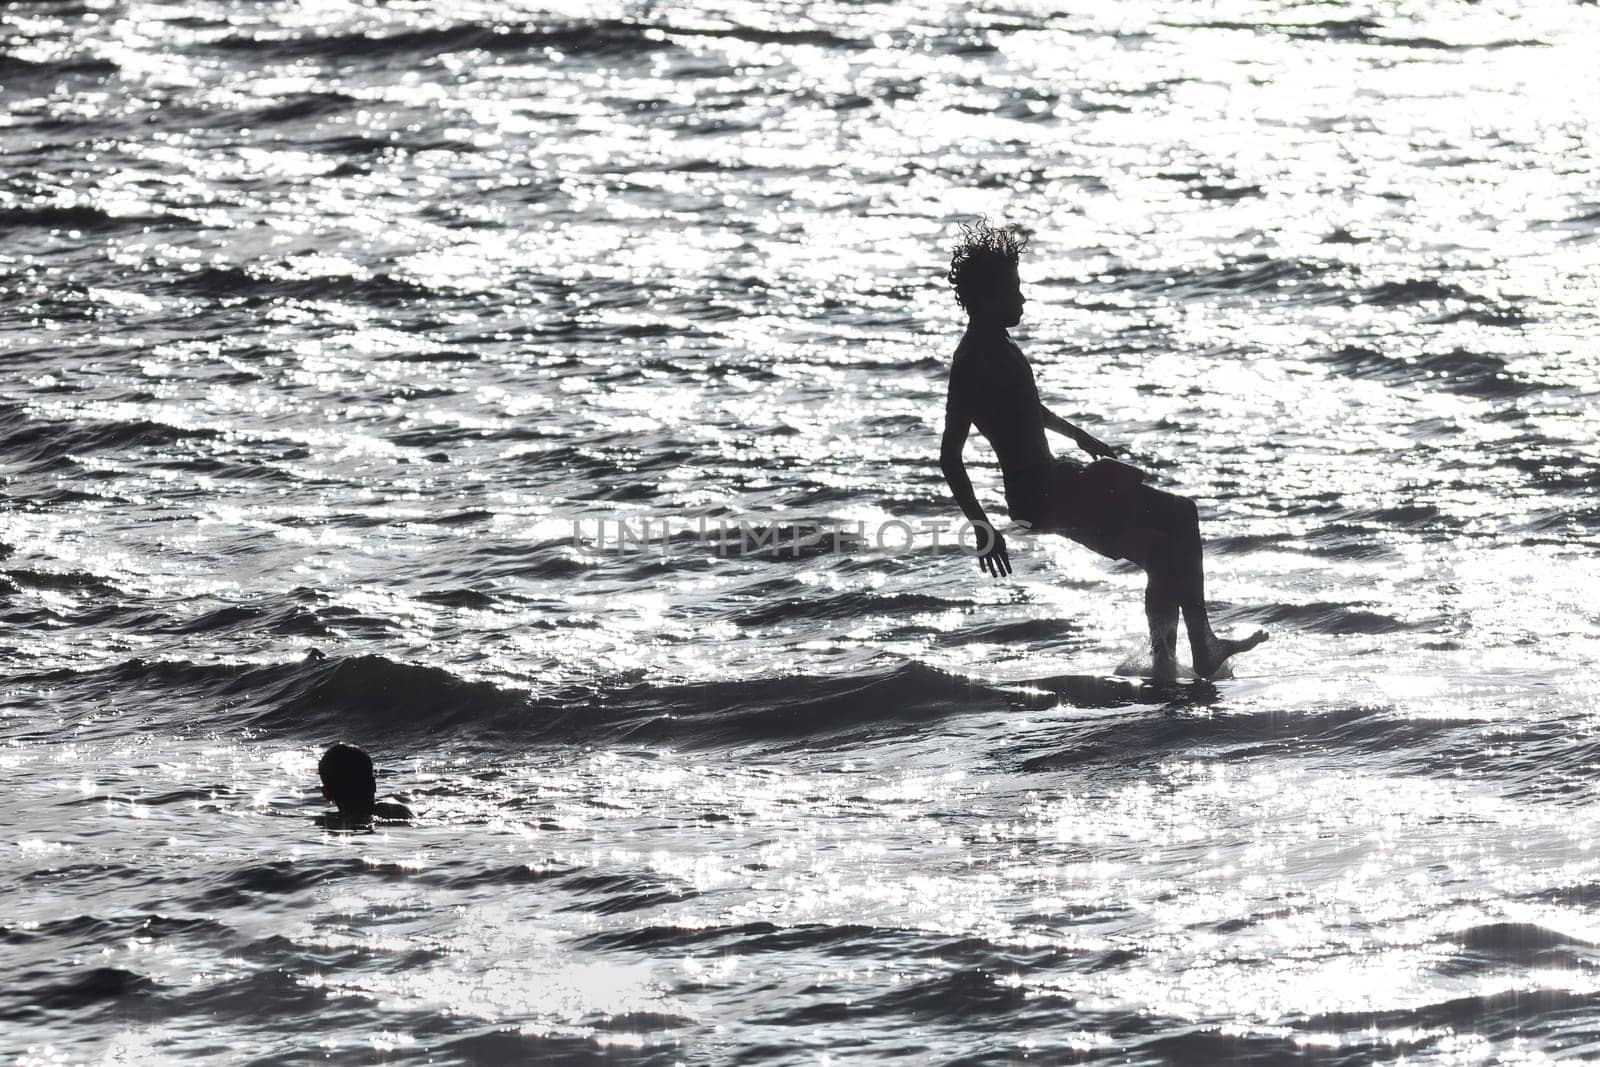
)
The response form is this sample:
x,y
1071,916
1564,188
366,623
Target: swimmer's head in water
x,y
983,271
347,777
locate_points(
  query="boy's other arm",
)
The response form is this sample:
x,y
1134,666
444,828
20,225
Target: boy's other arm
x,y
996,561
956,427
1085,440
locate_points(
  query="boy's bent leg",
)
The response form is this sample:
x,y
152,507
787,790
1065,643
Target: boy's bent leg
x,y
1148,549
1178,518
1160,532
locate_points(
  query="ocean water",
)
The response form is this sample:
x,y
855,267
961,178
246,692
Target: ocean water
x,y
336,336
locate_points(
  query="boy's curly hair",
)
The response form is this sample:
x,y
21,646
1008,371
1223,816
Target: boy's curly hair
x,y
980,251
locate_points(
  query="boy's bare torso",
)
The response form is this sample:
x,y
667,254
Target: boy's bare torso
x,y
992,386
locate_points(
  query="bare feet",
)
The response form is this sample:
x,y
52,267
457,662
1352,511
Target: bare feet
x,y
1221,650
1163,669
1164,651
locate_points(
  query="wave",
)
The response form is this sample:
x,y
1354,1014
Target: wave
x,y
37,445
842,941
854,603
295,108
410,706
234,283
966,993
61,582
1137,735
617,893
759,35
1522,1014
77,217
1043,630
599,38
89,931
1307,280
1490,947
1414,291
529,1045
1458,370
1558,471
15,68
608,37
249,885
266,993
363,696
81,992
1358,30
287,621
1339,619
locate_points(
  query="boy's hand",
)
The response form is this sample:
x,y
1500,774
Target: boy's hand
x,y
1096,447
997,561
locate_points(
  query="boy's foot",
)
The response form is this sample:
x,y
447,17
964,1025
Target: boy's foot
x,y
1164,652
1164,670
1220,651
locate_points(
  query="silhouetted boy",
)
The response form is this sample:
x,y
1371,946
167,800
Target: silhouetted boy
x,y
1105,505
348,780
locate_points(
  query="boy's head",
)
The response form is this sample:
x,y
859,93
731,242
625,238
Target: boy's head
x,y
347,777
983,270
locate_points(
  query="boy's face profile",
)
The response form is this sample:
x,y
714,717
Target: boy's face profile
x,y
1004,302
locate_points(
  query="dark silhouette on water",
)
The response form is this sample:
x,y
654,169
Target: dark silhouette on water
x,y
1105,505
349,782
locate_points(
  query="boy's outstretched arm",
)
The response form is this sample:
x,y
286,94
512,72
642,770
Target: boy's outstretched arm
x,y
1085,440
996,561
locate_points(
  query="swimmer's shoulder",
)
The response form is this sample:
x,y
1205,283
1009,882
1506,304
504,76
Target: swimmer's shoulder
x,y
391,811
384,811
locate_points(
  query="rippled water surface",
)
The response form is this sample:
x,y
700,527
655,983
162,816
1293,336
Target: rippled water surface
x,y
325,327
